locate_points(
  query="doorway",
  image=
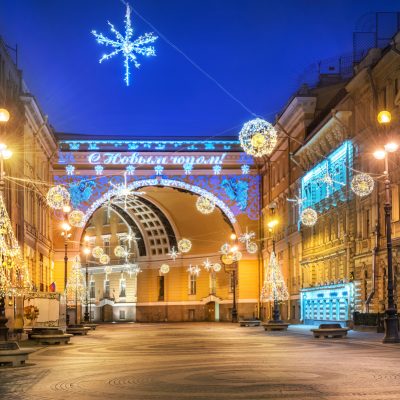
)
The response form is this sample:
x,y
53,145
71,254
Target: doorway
x,y
210,311
107,313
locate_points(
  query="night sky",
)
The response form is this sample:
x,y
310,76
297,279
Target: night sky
x,y
256,49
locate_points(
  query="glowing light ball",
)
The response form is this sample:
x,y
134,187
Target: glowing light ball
x,y
75,218
362,185
184,245
252,247
217,267
97,252
4,115
119,251
205,205
57,197
164,269
225,248
258,137
308,217
237,256
104,259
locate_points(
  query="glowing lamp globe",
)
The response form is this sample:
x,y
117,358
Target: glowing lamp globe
x,y
119,251
258,137
184,245
216,267
164,269
237,256
76,218
97,252
57,197
391,147
225,248
205,205
362,185
252,247
384,117
4,115
309,217
7,154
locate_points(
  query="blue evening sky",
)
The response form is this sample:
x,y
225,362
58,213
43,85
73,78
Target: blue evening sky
x,y
256,49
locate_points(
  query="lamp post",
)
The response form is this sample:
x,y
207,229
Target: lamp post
x,y
86,251
5,154
66,227
391,319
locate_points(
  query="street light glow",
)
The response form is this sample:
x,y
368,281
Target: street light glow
x,y
380,154
67,208
391,147
271,224
86,250
4,115
384,117
65,226
233,236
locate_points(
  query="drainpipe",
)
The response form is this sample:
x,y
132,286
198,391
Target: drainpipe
x,y
374,254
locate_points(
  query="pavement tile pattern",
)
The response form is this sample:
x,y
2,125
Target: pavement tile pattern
x,y
196,361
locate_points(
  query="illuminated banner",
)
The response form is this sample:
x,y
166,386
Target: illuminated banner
x,y
144,159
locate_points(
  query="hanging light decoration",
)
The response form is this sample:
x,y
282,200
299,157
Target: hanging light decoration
x,y
225,248
173,253
207,264
362,184
184,245
258,137
133,269
108,270
119,251
308,217
75,218
251,247
105,259
237,256
217,267
97,252
57,197
164,269
194,270
205,205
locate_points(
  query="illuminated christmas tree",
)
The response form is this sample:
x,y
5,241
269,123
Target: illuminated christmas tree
x,y
274,288
76,286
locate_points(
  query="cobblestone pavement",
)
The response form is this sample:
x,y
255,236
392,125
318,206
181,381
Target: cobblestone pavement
x,y
206,361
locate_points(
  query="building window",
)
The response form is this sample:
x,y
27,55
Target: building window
x,y
122,288
106,216
106,245
122,314
161,288
191,315
192,284
91,315
92,289
41,272
106,289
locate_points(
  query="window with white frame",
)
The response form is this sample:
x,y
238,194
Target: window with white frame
x,y
192,283
122,287
92,286
122,314
106,288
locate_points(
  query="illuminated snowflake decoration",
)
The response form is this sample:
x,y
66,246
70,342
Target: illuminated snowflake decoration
x,y
125,45
207,264
75,218
158,169
130,237
130,169
217,169
123,192
362,185
247,237
164,269
245,169
184,245
133,269
188,168
57,197
298,201
309,217
173,254
205,205
194,270
99,169
258,137
70,169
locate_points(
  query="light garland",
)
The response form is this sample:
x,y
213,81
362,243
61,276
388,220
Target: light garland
x,y
194,270
184,245
258,137
309,217
164,269
75,218
205,205
57,197
125,45
362,184
76,286
97,252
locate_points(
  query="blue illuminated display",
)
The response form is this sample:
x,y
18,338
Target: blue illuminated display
x,y
327,177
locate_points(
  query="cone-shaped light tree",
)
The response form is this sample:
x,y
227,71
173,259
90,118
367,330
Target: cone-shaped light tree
x,y
76,286
14,274
274,288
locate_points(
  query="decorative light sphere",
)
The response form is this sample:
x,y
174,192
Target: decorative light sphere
x,y
97,252
57,197
252,247
237,256
108,270
75,218
164,269
308,217
119,251
184,245
217,267
105,259
225,248
258,137
205,205
362,184
384,117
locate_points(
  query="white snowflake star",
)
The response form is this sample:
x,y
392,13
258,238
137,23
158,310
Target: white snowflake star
x,y
125,45
173,253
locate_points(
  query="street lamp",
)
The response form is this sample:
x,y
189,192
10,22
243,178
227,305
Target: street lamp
x,y
86,251
66,227
391,319
275,313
